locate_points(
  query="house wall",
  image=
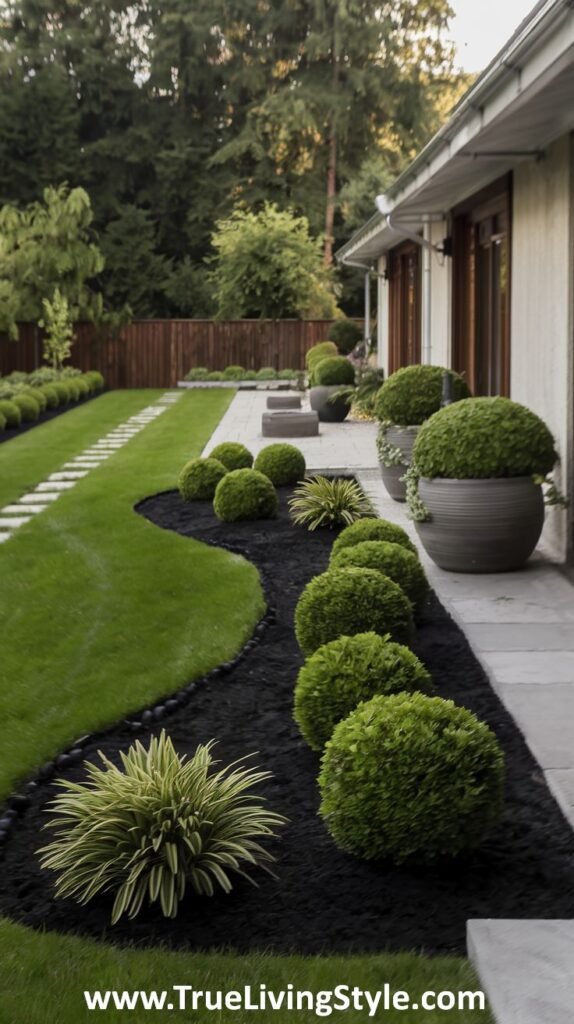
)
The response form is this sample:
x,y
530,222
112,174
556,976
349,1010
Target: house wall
x,y
441,300
542,270
382,315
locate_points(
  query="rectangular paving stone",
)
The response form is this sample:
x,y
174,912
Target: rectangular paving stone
x,y
485,610
16,509
69,474
13,522
4,536
34,499
56,485
525,968
545,715
521,636
561,784
541,667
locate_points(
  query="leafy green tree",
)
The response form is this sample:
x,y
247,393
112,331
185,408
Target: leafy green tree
x,y
135,273
267,264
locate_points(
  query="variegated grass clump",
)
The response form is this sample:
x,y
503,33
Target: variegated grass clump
x,y
163,823
324,502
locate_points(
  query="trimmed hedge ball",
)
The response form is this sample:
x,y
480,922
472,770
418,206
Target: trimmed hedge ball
x,y
333,371
28,406
342,602
411,777
82,386
394,561
323,350
62,389
199,478
344,673
73,388
410,395
233,372
11,413
372,529
51,394
233,455
38,395
282,463
245,494
95,379
2,422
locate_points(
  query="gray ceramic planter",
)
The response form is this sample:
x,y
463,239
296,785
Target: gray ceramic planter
x,y
403,438
329,411
481,525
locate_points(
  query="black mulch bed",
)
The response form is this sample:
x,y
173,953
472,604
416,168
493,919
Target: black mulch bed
x,y
50,414
323,900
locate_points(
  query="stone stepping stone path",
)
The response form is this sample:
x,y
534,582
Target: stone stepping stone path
x,y
16,515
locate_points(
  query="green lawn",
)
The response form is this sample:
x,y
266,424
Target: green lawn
x,y
101,613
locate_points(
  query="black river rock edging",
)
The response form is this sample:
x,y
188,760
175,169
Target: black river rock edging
x,y
323,900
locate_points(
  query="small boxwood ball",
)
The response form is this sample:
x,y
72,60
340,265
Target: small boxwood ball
x,y
332,371
83,386
347,601
199,478
411,777
51,395
323,350
233,373
28,406
394,561
233,455
245,494
372,529
282,463
344,673
63,391
11,413
74,389
38,395
96,379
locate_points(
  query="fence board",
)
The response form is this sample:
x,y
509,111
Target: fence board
x,y
158,353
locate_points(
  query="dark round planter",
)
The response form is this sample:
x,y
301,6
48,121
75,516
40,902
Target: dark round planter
x,y
481,525
403,438
329,411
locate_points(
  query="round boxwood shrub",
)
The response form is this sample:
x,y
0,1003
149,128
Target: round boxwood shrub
x,y
266,373
411,777
233,372
51,394
346,334
199,478
320,351
2,422
346,672
334,370
412,394
96,379
287,374
62,389
82,386
28,406
233,455
197,373
482,438
342,602
372,529
245,494
250,375
215,375
38,395
73,386
11,413
394,561
282,463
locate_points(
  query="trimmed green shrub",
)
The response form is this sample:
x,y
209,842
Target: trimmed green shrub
x,y
96,379
245,494
3,422
394,561
51,395
233,455
11,413
72,383
346,334
233,372
482,438
197,373
411,777
320,351
342,602
199,478
372,529
70,371
250,375
215,375
412,394
287,374
160,824
328,503
38,395
28,406
62,389
83,386
266,373
344,673
334,370
282,463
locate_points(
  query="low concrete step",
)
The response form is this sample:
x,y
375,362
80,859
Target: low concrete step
x,y
526,969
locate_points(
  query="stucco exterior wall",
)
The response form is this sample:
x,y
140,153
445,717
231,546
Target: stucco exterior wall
x,y
542,275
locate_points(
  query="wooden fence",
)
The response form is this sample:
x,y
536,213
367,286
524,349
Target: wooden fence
x,y
158,353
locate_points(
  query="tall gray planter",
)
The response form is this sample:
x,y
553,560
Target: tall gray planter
x,y
404,439
329,411
481,525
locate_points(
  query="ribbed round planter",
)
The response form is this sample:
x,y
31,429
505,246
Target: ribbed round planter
x,y
403,438
481,525
329,411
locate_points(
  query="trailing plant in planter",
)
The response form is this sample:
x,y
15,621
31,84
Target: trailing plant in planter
x,y
411,777
244,494
344,673
326,398
233,455
372,529
282,463
324,502
199,478
342,602
406,399
475,488
158,826
394,561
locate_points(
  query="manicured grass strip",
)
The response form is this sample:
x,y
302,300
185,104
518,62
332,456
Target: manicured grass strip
x,y
103,612
28,459
44,978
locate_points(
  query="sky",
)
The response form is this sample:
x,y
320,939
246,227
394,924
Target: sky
x,y
480,27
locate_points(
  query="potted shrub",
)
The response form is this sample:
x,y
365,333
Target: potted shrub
x,y
329,376
406,399
346,334
475,486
